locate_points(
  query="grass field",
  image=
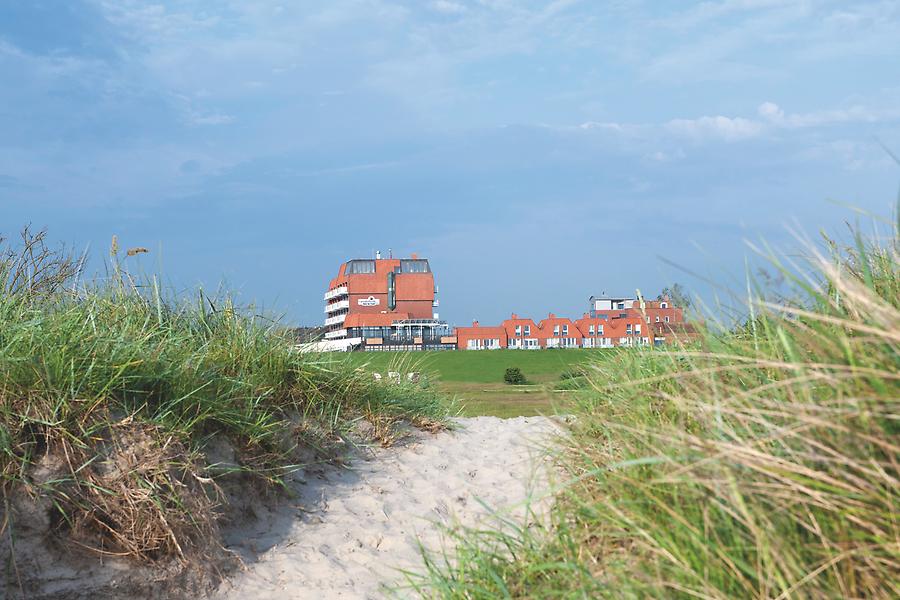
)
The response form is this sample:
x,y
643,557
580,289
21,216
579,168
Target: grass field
x,y
475,378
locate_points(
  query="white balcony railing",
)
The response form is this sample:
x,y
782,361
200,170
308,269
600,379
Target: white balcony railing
x,y
330,308
337,333
335,319
338,291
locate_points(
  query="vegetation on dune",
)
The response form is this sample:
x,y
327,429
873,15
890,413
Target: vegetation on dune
x,y
110,394
762,464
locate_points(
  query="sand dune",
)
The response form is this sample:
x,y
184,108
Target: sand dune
x,y
348,531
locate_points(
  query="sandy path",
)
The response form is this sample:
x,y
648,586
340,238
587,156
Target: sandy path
x,y
350,530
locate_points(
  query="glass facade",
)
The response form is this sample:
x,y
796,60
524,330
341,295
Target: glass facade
x,y
414,265
355,267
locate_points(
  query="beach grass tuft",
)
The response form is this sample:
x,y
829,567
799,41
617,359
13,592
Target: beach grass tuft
x,y
111,391
763,462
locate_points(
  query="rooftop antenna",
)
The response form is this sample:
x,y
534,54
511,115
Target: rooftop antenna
x,y
390,253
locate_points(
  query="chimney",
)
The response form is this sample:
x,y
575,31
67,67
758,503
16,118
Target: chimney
x,y
414,256
551,316
378,255
475,324
514,316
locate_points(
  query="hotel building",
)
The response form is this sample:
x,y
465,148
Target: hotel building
x,y
384,304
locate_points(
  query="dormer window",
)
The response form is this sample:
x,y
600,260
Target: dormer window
x,y
565,330
556,330
664,305
518,330
528,330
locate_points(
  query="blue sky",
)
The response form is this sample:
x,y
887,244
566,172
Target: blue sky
x,y
537,152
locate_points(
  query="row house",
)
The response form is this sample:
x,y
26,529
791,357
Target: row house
x,y
652,311
560,333
477,337
606,332
523,334
556,332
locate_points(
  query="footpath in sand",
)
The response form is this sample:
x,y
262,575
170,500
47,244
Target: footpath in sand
x,y
349,531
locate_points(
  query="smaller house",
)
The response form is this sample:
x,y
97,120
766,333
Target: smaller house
x,y
523,334
560,332
477,337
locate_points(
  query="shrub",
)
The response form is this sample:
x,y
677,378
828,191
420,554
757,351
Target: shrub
x,y
514,376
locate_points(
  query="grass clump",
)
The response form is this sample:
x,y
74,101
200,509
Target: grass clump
x,y
764,463
110,393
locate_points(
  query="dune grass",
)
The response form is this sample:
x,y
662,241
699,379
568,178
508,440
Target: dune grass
x,y
764,463
110,392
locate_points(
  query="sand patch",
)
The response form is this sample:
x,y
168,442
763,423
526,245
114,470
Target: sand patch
x,y
347,532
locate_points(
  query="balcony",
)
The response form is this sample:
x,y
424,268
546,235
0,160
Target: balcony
x,y
335,319
337,333
330,308
338,291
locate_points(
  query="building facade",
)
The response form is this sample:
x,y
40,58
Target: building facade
x,y
610,322
384,304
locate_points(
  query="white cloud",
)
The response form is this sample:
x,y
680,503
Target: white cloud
x,y
771,119
770,111
447,7
214,119
775,115
718,127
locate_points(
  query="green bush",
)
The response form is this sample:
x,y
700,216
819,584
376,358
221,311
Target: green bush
x,y
514,376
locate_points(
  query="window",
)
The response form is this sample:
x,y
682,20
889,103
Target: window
x,y
628,329
565,330
518,330
360,266
648,319
664,305
556,330
414,266
528,330
657,318
637,330
600,329
591,330
620,305
667,319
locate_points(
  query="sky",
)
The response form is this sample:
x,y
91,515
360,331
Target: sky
x,y
537,152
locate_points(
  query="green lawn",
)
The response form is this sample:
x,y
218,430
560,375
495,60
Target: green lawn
x,y
475,378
